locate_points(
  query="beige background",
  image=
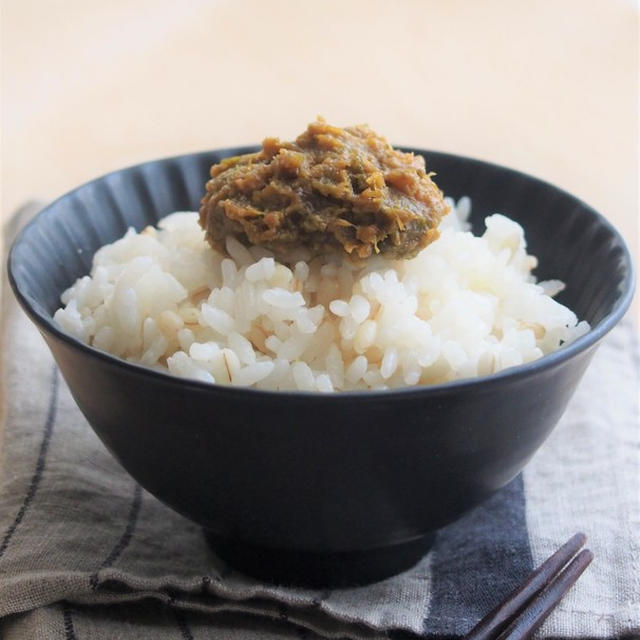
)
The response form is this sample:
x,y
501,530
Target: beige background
x,y
548,87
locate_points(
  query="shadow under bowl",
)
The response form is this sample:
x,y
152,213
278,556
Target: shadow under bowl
x,y
306,487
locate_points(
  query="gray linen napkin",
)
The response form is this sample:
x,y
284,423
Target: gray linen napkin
x,y
86,553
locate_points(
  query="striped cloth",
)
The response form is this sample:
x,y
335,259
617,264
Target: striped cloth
x,y
85,552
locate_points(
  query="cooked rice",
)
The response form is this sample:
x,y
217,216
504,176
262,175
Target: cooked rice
x,y
465,306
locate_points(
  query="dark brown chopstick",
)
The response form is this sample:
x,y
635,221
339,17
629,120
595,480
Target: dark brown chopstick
x,y
541,606
527,606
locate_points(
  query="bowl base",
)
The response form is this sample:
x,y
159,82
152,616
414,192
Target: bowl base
x,y
320,570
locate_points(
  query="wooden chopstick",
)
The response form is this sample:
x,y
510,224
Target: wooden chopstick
x,y
527,606
541,606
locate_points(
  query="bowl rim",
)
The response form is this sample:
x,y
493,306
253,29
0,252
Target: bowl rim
x,y
46,323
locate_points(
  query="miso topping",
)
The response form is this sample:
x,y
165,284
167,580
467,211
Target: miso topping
x,y
332,190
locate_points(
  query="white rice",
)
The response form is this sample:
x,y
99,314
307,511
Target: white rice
x,y
465,306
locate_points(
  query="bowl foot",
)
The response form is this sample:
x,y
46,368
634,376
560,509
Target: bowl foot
x,y
320,570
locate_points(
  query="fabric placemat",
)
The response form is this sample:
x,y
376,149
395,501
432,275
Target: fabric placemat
x,y
86,553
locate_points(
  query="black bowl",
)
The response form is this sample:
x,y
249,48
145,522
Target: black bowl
x,y
311,487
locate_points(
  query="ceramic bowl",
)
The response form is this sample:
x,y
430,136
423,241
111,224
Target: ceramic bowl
x,y
309,487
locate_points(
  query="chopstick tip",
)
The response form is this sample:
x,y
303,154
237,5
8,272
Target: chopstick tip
x,y
587,556
578,539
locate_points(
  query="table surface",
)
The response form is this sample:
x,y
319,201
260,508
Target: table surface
x,y
550,88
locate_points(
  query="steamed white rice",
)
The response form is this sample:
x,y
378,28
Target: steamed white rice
x,y
465,306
